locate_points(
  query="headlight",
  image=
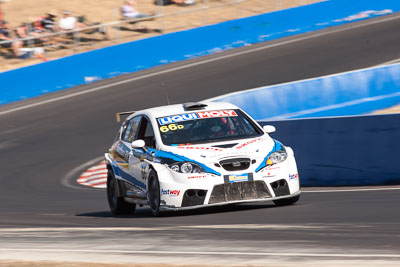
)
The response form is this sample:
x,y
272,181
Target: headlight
x,y
186,167
277,157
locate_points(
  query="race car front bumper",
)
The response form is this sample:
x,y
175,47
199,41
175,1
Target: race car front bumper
x,y
267,199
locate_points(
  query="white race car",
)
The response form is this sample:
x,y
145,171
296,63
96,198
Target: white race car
x,y
194,155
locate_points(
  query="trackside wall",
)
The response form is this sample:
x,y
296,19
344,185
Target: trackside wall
x,y
354,150
352,93
362,150
130,57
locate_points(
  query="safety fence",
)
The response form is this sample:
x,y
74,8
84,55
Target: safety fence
x,y
63,43
120,30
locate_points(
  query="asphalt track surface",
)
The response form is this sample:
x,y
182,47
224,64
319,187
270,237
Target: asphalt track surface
x,y
44,215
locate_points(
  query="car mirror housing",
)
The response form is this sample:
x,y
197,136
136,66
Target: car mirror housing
x,y
269,129
138,144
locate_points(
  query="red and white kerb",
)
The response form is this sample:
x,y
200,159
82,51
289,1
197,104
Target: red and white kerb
x,y
95,176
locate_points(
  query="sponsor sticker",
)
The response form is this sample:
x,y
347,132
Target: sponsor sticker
x,y
293,176
233,178
249,142
199,148
171,127
174,193
270,171
197,177
196,115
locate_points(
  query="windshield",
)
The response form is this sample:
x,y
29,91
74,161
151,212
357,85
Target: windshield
x,y
206,127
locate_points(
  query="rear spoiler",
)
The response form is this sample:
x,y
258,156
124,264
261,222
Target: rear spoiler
x,y
119,114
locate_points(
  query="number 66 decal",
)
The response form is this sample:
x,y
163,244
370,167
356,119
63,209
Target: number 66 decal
x,y
171,127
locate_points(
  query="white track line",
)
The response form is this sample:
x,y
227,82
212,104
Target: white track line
x,y
267,46
388,62
230,253
168,228
352,190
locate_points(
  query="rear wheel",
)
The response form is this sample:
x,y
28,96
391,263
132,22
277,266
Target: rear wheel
x,y
287,201
117,204
154,192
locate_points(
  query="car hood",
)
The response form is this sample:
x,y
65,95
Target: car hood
x,y
209,153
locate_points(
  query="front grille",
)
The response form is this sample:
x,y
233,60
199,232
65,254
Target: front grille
x,y
236,164
239,191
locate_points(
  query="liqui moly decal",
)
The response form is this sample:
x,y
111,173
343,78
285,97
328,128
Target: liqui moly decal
x,y
196,115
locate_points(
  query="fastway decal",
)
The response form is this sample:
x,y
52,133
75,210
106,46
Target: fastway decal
x,y
196,115
168,192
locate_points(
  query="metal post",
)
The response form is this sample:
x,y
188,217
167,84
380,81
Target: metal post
x,y
76,38
117,28
28,31
160,19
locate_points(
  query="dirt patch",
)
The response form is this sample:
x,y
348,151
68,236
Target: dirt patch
x,y
392,110
18,11
82,264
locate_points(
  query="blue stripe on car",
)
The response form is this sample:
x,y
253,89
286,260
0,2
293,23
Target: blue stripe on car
x,y
179,158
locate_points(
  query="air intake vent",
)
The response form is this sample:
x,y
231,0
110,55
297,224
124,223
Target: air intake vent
x,y
226,146
236,164
194,106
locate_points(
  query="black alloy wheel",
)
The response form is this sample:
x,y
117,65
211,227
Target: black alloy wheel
x,y
154,192
117,204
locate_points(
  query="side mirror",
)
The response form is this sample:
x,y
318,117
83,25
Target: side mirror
x,y
138,144
269,129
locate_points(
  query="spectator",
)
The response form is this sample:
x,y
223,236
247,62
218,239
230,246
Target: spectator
x,y
36,26
30,29
129,10
48,22
68,22
5,36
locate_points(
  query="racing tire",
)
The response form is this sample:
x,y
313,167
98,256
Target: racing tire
x,y
117,204
154,194
286,201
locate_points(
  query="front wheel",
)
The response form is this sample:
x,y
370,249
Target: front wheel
x,y
117,204
154,192
287,201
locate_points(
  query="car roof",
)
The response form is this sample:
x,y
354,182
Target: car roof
x,y
169,110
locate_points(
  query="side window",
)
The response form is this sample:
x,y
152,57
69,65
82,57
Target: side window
x,y
146,133
131,129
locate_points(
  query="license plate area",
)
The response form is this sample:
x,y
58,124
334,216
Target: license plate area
x,y
237,178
